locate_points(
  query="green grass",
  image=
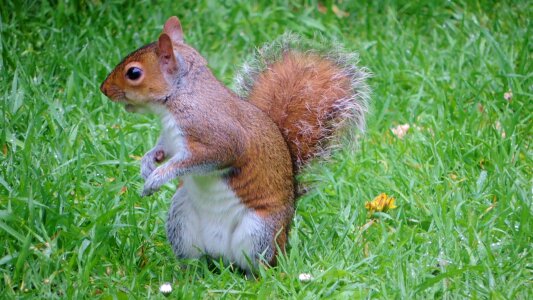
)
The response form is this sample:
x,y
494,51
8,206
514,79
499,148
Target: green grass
x,y
72,223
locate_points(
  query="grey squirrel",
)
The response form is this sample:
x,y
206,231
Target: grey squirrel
x,y
236,157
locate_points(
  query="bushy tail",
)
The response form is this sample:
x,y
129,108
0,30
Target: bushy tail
x,y
310,91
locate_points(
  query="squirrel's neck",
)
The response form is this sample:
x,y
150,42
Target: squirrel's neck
x,y
202,79
199,101
199,90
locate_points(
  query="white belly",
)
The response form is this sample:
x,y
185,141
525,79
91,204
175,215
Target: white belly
x,y
215,222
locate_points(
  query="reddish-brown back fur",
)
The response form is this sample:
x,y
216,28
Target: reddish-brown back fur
x,y
303,94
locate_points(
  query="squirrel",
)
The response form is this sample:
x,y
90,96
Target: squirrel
x,y
236,156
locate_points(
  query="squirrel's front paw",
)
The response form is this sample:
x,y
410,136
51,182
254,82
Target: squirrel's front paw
x,y
148,162
147,167
150,186
155,180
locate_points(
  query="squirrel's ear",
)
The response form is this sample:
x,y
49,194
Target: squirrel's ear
x,y
173,29
167,60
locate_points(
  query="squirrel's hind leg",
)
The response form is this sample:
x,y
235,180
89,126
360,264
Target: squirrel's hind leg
x,y
256,241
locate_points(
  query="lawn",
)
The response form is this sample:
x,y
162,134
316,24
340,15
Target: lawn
x,y
73,224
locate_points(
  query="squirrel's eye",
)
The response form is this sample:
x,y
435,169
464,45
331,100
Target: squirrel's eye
x,y
134,73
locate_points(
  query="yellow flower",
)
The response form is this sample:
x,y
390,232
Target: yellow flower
x,y
380,203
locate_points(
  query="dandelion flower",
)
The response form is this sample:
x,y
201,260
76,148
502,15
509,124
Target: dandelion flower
x,y
380,203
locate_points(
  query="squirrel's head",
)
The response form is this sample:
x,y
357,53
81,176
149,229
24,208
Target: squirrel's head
x,y
151,73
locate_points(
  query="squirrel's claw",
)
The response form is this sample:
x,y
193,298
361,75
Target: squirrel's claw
x,y
146,192
150,186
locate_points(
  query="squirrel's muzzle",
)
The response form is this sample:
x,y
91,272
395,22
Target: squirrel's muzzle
x,y
112,91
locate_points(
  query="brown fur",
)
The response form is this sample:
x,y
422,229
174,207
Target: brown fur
x,y
293,108
302,94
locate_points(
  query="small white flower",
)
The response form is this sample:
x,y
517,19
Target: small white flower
x,y
508,95
165,288
400,130
305,277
